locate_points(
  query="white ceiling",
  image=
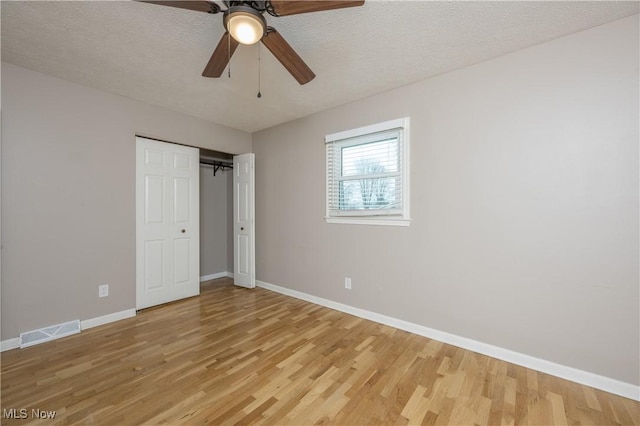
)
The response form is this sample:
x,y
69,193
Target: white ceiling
x,y
156,54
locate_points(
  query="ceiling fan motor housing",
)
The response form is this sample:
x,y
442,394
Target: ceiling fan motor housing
x,y
245,24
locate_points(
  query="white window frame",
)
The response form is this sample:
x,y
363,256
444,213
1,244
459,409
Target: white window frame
x,y
398,217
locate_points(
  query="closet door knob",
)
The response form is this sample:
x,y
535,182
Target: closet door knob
x,y
184,230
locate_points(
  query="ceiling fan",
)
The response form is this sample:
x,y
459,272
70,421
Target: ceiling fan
x,y
245,23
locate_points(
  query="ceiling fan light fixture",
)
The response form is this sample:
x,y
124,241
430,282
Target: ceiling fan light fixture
x,y
245,24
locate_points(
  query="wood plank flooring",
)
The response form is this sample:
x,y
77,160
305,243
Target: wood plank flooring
x,y
238,356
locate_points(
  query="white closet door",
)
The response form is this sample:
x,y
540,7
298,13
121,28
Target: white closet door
x,y
167,222
244,220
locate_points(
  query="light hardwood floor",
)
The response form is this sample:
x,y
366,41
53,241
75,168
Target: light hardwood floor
x,y
253,356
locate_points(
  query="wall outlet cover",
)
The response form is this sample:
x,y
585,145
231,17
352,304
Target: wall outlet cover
x,y
103,290
347,283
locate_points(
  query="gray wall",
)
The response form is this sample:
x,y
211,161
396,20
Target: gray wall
x,y
68,195
216,234
524,186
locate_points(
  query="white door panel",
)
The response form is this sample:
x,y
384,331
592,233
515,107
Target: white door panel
x,y
167,222
154,264
181,201
153,199
152,157
181,261
243,201
181,161
243,247
243,220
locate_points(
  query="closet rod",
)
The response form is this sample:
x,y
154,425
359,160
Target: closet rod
x,y
217,165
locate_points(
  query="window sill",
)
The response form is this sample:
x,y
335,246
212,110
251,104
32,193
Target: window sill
x,y
368,221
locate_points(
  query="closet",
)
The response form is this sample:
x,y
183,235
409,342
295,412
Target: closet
x,y
216,214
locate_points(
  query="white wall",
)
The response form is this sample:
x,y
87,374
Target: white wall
x,y
68,195
524,186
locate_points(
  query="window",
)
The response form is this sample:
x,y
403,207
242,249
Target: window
x,y
368,174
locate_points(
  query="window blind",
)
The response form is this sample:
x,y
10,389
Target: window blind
x,y
365,174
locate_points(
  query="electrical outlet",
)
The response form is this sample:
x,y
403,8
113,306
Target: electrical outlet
x,y
347,283
103,290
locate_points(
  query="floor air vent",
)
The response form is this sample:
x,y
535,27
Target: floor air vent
x,y
45,334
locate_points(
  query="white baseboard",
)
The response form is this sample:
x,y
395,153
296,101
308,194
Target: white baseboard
x,y
14,343
8,344
216,276
106,319
606,384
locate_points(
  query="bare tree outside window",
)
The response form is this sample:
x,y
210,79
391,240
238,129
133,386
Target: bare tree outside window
x,y
373,191
368,175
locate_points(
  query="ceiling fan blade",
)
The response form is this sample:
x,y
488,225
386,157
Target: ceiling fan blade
x,y
287,56
200,6
221,56
293,7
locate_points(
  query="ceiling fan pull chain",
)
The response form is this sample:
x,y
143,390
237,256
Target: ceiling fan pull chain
x,y
229,55
259,57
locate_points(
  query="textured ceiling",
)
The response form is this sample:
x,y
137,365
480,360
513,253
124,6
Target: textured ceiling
x,y
156,54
